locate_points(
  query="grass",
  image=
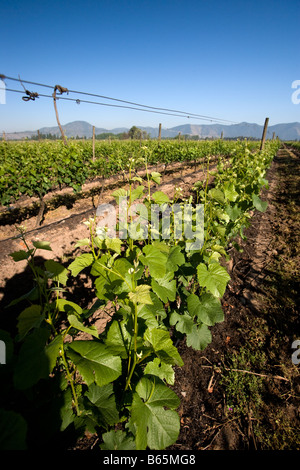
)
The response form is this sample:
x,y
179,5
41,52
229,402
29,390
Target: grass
x,y
263,403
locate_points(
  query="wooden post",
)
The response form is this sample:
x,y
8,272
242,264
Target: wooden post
x,y
179,135
273,137
264,134
159,133
61,90
58,122
3,137
38,133
93,143
221,135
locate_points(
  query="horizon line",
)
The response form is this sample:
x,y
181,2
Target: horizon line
x,y
151,127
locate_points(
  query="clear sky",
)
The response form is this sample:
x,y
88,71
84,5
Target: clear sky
x,y
234,60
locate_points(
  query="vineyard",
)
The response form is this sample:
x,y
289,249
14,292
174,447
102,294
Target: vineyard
x,y
98,334
35,168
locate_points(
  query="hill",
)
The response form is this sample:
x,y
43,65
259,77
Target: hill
x,y
286,131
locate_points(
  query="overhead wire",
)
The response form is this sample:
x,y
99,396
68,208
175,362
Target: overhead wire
x,y
136,106
97,103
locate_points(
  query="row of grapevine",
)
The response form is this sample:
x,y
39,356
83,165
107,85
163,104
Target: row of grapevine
x,y
118,383
35,168
294,145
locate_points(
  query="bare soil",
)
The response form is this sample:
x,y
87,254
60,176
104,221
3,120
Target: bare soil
x,y
261,307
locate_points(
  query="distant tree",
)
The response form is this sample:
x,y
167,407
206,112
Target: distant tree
x,y
136,133
124,135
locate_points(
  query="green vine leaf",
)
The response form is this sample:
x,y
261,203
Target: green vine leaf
x,y
206,308
233,212
104,410
82,242
199,338
214,278
217,195
162,370
112,281
182,322
230,192
81,262
162,346
155,260
137,193
66,409
21,255
117,440
156,177
32,364
165,287
141,295
94,362
68,306
152,313
175,258
57,271
118,339
29,318
119,193
42,245
159,197
155,426
259,204
52,351
76,323
113,244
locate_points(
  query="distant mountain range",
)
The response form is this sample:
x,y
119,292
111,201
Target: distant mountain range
x,y
289,131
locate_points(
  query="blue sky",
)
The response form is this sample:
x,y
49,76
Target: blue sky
x,y
233,60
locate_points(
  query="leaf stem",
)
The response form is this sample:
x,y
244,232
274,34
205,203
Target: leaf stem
x,y
135,358
71,381
116,273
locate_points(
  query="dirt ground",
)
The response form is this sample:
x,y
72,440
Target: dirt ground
x,y
261,307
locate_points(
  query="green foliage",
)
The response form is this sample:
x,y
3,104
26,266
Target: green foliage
x,y
34,168
153,425
158,291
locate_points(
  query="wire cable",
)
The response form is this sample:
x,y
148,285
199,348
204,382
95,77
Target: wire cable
x,y
155,109
102,104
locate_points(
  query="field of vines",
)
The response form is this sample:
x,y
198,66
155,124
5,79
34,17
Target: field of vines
x,y
35,168
62,377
